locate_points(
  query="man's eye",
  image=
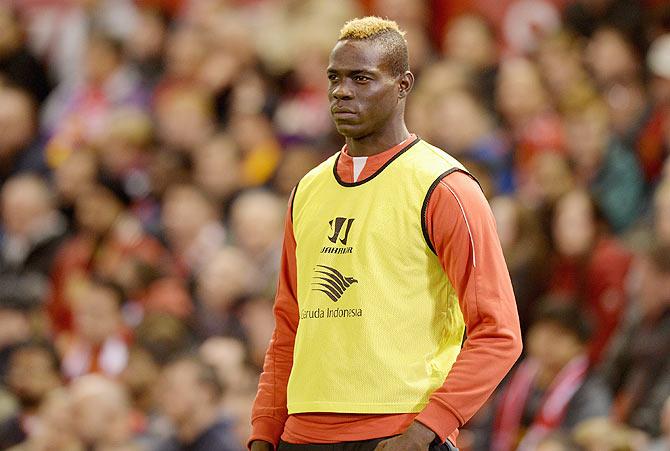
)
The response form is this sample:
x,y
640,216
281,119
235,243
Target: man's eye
x,y
361,78
332,77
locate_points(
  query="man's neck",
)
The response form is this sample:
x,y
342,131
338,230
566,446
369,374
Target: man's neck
x,y
377,142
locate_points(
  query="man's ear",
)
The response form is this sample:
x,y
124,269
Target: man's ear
x,y
405,84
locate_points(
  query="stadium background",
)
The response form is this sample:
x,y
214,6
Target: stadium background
x,y
148,148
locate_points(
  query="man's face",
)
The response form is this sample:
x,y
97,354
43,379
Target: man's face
x,y
180,394
552,346
32,375
362,91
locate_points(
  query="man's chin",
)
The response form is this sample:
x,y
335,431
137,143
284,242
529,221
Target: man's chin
x,y
349,130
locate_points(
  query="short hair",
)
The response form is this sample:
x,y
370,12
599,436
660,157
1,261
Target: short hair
x,y
205,373
566,314
386,33
38,344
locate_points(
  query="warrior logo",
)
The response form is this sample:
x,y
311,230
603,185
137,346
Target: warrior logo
x,y
337,227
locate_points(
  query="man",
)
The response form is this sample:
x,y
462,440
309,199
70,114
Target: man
x,y
553,389
20,149
101,414
390,249
33,230
190,396
638,365
34,370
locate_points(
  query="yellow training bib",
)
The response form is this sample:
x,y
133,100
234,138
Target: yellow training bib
x,y
380,325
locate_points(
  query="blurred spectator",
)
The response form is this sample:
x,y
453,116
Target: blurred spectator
x,y
548,178
75,175
123,150
441,77
140,378
33,229
109,81
146,43
469,40
254,136
228,277
610,56
101,414
19,149
22,318
106,236
54,425
192,228
560,60
617,68
229,357
163,336
525,248
256,220
77,112
552,388
638,367
149,289
585,16
258,323
184,117
98,342
18,66
523,103
58,30
464,127
217,170
589,266
603,164
189,396
34,370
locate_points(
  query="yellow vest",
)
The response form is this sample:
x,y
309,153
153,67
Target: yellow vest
x,y
380,324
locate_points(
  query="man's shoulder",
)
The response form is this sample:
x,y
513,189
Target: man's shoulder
x,y
431,158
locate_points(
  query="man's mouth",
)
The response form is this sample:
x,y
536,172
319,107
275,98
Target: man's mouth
x,y
342,113
336,110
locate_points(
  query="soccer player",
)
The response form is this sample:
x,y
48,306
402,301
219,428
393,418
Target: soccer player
x,y
390,253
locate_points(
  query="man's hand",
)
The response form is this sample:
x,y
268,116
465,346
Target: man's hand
x,y
258,445
417,437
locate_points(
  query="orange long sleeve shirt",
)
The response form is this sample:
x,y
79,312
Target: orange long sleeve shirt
x,y
463,232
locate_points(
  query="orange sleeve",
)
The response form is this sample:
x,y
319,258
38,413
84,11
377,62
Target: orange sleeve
x,y
463,232
269,411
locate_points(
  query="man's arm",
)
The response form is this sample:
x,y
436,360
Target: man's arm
x,y
269,411
463,232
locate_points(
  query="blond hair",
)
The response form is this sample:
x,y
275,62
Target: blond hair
x,y
368,27
385,33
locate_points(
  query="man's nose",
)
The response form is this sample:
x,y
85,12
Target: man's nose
x,y
342,91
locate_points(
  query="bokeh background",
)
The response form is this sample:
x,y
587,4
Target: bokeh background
x,y
148,149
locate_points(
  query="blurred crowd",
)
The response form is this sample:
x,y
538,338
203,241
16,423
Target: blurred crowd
x,y
148,149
